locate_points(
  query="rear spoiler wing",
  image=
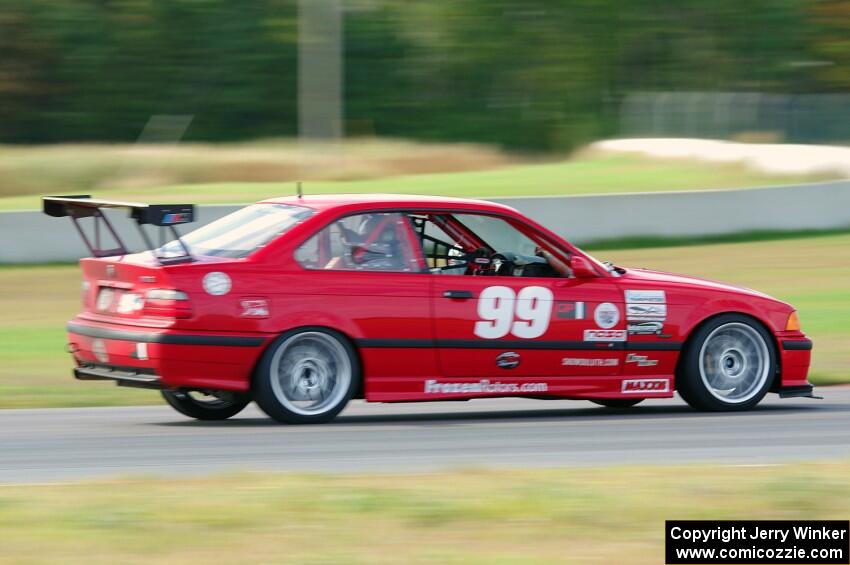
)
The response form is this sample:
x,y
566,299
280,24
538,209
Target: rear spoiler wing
x,y
165,216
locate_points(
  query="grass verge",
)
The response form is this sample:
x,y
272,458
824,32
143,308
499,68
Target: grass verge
x,y
810,272
610,515
82,167
588,174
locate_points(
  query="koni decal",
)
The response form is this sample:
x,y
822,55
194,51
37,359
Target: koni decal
x,y
645,328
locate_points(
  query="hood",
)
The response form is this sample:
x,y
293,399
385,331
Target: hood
x,y
667,280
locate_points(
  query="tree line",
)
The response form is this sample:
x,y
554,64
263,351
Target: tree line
x,y
537,75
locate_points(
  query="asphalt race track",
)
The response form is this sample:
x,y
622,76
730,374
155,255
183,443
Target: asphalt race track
x,y
48,445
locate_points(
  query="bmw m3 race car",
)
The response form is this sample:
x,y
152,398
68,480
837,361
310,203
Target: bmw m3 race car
x,y
302,304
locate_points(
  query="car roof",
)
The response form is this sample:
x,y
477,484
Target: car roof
x,y
389,201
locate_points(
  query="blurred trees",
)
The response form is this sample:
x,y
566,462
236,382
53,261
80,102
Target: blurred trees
x,y
830,44
527,74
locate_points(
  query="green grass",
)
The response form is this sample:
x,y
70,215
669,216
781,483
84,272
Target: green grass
x,y
647,242
601,516
810,272
590,174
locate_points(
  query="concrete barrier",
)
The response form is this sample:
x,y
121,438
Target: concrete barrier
x,y
817,206
31,237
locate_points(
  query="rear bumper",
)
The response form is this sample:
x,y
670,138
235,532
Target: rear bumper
x,y
163,336
123,376
164,358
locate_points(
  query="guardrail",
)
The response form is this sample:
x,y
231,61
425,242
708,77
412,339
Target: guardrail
x,y
31,237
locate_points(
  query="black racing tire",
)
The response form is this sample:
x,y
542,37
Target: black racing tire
x,y
728,364
306,376
221,405
617,402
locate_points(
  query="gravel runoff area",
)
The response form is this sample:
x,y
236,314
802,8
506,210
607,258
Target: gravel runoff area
x,y
768,158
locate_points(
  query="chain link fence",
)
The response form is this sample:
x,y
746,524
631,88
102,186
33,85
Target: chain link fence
x,y
789,118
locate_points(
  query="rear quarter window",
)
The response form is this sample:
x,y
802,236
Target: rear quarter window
x,y
239,234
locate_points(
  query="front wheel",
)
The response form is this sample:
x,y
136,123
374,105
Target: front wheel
x,y
306,377
728,365
207,405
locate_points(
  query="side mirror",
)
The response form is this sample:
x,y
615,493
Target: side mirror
x,y
582,269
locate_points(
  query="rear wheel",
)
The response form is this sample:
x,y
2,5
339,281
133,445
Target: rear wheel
x,y
306,377
617,402
207,405
729,364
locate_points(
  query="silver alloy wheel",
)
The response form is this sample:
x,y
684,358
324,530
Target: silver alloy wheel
x,y
310,373
734,362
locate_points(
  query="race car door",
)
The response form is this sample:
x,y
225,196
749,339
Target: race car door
x,y
362,275
506,325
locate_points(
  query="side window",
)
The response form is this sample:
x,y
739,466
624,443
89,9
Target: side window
x,y
441,250
363,242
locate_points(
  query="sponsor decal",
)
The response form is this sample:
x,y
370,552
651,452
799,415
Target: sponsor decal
x,y
641,360
651,312
110,271
586,362
484,386
606,315
631,386
646,312
604,335
645,328
98,347
569,310
508,360
174,218
216,283
254,307
646,296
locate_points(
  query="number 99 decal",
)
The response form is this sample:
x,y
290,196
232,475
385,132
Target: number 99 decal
x,y
525,315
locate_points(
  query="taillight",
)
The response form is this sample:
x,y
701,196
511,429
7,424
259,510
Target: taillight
x,y
167,303
85,287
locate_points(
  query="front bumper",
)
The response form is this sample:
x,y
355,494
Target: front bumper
x,y
795,356
162,357
797,391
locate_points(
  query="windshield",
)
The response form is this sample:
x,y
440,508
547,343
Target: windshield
x,y
497,233
239,234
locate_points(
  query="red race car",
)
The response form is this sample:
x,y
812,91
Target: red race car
x,y
302,304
